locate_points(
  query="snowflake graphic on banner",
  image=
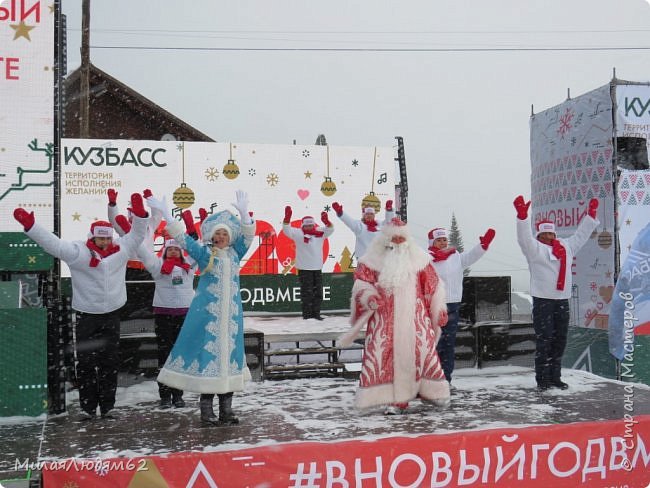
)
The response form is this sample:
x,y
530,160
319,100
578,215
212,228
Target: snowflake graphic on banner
x,y
565,123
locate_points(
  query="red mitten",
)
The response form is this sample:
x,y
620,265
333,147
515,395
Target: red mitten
x,y
203,214
593,208
389,205
189,222
325,219
124,223
522,207
487,239
287,214
338,208
147,193
24,217
137,206
112,197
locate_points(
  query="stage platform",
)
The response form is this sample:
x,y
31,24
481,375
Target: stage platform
x,y
317,410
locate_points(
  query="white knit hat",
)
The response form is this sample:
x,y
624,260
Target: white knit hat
x,y
545,226
437,233
101,228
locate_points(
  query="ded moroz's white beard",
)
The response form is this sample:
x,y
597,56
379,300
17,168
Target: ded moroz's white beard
x,y
398,266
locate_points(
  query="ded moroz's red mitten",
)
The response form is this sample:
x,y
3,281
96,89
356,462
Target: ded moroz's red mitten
x,y
287,214
147,193
338,208
389,205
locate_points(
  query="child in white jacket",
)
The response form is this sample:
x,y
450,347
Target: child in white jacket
x,y
174,279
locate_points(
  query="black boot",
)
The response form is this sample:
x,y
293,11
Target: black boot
x,y
226,415
207,413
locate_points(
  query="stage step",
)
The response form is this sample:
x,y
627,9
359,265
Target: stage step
x,y
299,351
283,368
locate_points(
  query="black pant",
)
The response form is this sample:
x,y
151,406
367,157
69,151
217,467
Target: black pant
x,y
311,292
98,356
551,323
447,343
167,329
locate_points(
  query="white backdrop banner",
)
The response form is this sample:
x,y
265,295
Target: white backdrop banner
x,y
192,175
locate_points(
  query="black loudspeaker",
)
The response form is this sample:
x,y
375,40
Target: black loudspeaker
x,y
254,350
486,299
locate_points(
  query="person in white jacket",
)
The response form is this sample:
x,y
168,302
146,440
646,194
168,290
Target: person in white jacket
x,y
309,241
97,270
173,276
549,261
450,264
365,229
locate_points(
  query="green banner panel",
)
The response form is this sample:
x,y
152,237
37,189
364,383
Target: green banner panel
x,y
281,293
23,362
588,349
9,294
20,253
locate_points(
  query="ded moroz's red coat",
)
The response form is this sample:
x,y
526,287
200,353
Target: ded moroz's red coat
x,y
400,361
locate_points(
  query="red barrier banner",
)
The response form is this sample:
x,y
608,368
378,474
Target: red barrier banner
x,y
594,454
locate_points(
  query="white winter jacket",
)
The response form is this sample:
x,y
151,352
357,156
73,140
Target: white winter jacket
x,y
451,271
309,255
544,267
174,290
99,289
363,236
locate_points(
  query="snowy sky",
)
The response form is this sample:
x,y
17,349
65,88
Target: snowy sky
x,y
456,79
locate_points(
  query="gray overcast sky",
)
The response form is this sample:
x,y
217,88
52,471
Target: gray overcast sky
x,y
441,74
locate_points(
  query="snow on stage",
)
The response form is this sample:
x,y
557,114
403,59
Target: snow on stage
x,y
498,431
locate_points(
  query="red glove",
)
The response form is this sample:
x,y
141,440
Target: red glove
x,y
487,238
147,193
338,208
112,197
522,207
325,219
287,214
137,206
593,208
389,205
24,217
189,222
124,223
203,214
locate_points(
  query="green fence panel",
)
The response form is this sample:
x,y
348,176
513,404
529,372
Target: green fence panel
x,y
23,361
20,253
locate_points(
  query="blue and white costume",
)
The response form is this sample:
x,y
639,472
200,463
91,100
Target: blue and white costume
x,y
208,356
